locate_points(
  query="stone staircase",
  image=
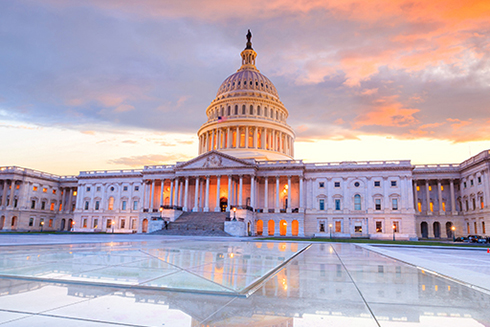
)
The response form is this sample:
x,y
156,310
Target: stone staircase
x,y
197,223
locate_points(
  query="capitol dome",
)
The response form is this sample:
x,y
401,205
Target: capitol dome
x,y
246,119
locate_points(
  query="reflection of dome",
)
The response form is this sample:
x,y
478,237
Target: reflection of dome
x,y
247,119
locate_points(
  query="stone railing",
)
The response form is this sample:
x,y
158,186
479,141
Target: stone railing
x,y
363,164
103,173
35,173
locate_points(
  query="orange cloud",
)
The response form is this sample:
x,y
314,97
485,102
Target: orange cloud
x,y
391,114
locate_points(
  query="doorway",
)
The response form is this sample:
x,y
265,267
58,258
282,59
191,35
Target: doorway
x,y
223,204
437,229
144,228
424,229
63,222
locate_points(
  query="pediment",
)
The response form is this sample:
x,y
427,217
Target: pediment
x,y
214,159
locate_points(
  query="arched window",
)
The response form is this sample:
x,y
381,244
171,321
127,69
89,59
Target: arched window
x,y
357,202
295,228
229,111
260,227
251,109
283,226
272,113
270,227
265,112
258,111
243,109
111,203
222,111
236,109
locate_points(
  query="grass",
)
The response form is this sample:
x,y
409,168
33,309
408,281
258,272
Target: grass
x,y
362,240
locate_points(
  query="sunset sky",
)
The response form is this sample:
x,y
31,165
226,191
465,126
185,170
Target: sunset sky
x,y
119,84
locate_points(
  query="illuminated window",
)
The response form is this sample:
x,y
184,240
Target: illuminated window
x,y
51,207
74,193
418,188
379,227
34,188
338,226
396,226
50,223
442,187
443,206
322,204
430,188
85,223
60,207
54,191
242,140
96,223
481,203
431,206
17,186
377,204
45,189
111,203
394,204
337,204
357,202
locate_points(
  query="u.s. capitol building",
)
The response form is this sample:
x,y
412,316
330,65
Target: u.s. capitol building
x,y
246,165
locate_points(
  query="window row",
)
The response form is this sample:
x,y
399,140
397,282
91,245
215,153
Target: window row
x,y
110,204
337,227
472,183
111,223
357,203
112,188
45,205
357,184
253,111
41,222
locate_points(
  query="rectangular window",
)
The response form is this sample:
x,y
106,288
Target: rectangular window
x,y
431,206
109,223
136,188
430,188
97,205
418,188
43,205
61,206
394,204
464,184
338,227
396,226
377,183
337,204
393,183
419,206
133,224
357,229
471,182
34,188
96,223
31,222
336,184
482,205
379,227
377,204
442,187
322,204
474,203
86,205
85,223
479,179
45,189
476,229
123,223
135,205
467,205
124,205
321,184
50,223
483,230
468,228
15,203
125,188
51,207
88,188
54,191
443,206
98,188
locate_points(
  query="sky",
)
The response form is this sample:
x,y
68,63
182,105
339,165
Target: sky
x,y
120,84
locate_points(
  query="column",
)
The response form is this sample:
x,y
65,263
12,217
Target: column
x,y
252,192
206,203
229,194
152,195
439,195
289,195
240,192
144,194
228,138
27,196
246,138
453,197
218,185
176,191
70,200
11,194
301,204
162,189
486,188
266,195
427,196
171,200
186,196
196,196
4,193
255,138
212,140
237,143
416,195
277,209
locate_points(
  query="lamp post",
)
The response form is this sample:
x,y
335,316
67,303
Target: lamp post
x,y
234,214
453,229
161,212
330,229
72,225
42,225
394,228
113,223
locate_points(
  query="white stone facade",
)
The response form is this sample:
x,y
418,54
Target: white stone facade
x,y
246,162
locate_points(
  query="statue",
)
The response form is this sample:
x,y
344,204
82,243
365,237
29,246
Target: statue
x,y
249,40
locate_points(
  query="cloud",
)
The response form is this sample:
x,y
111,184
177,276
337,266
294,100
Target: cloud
x,y
150,159
130,142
